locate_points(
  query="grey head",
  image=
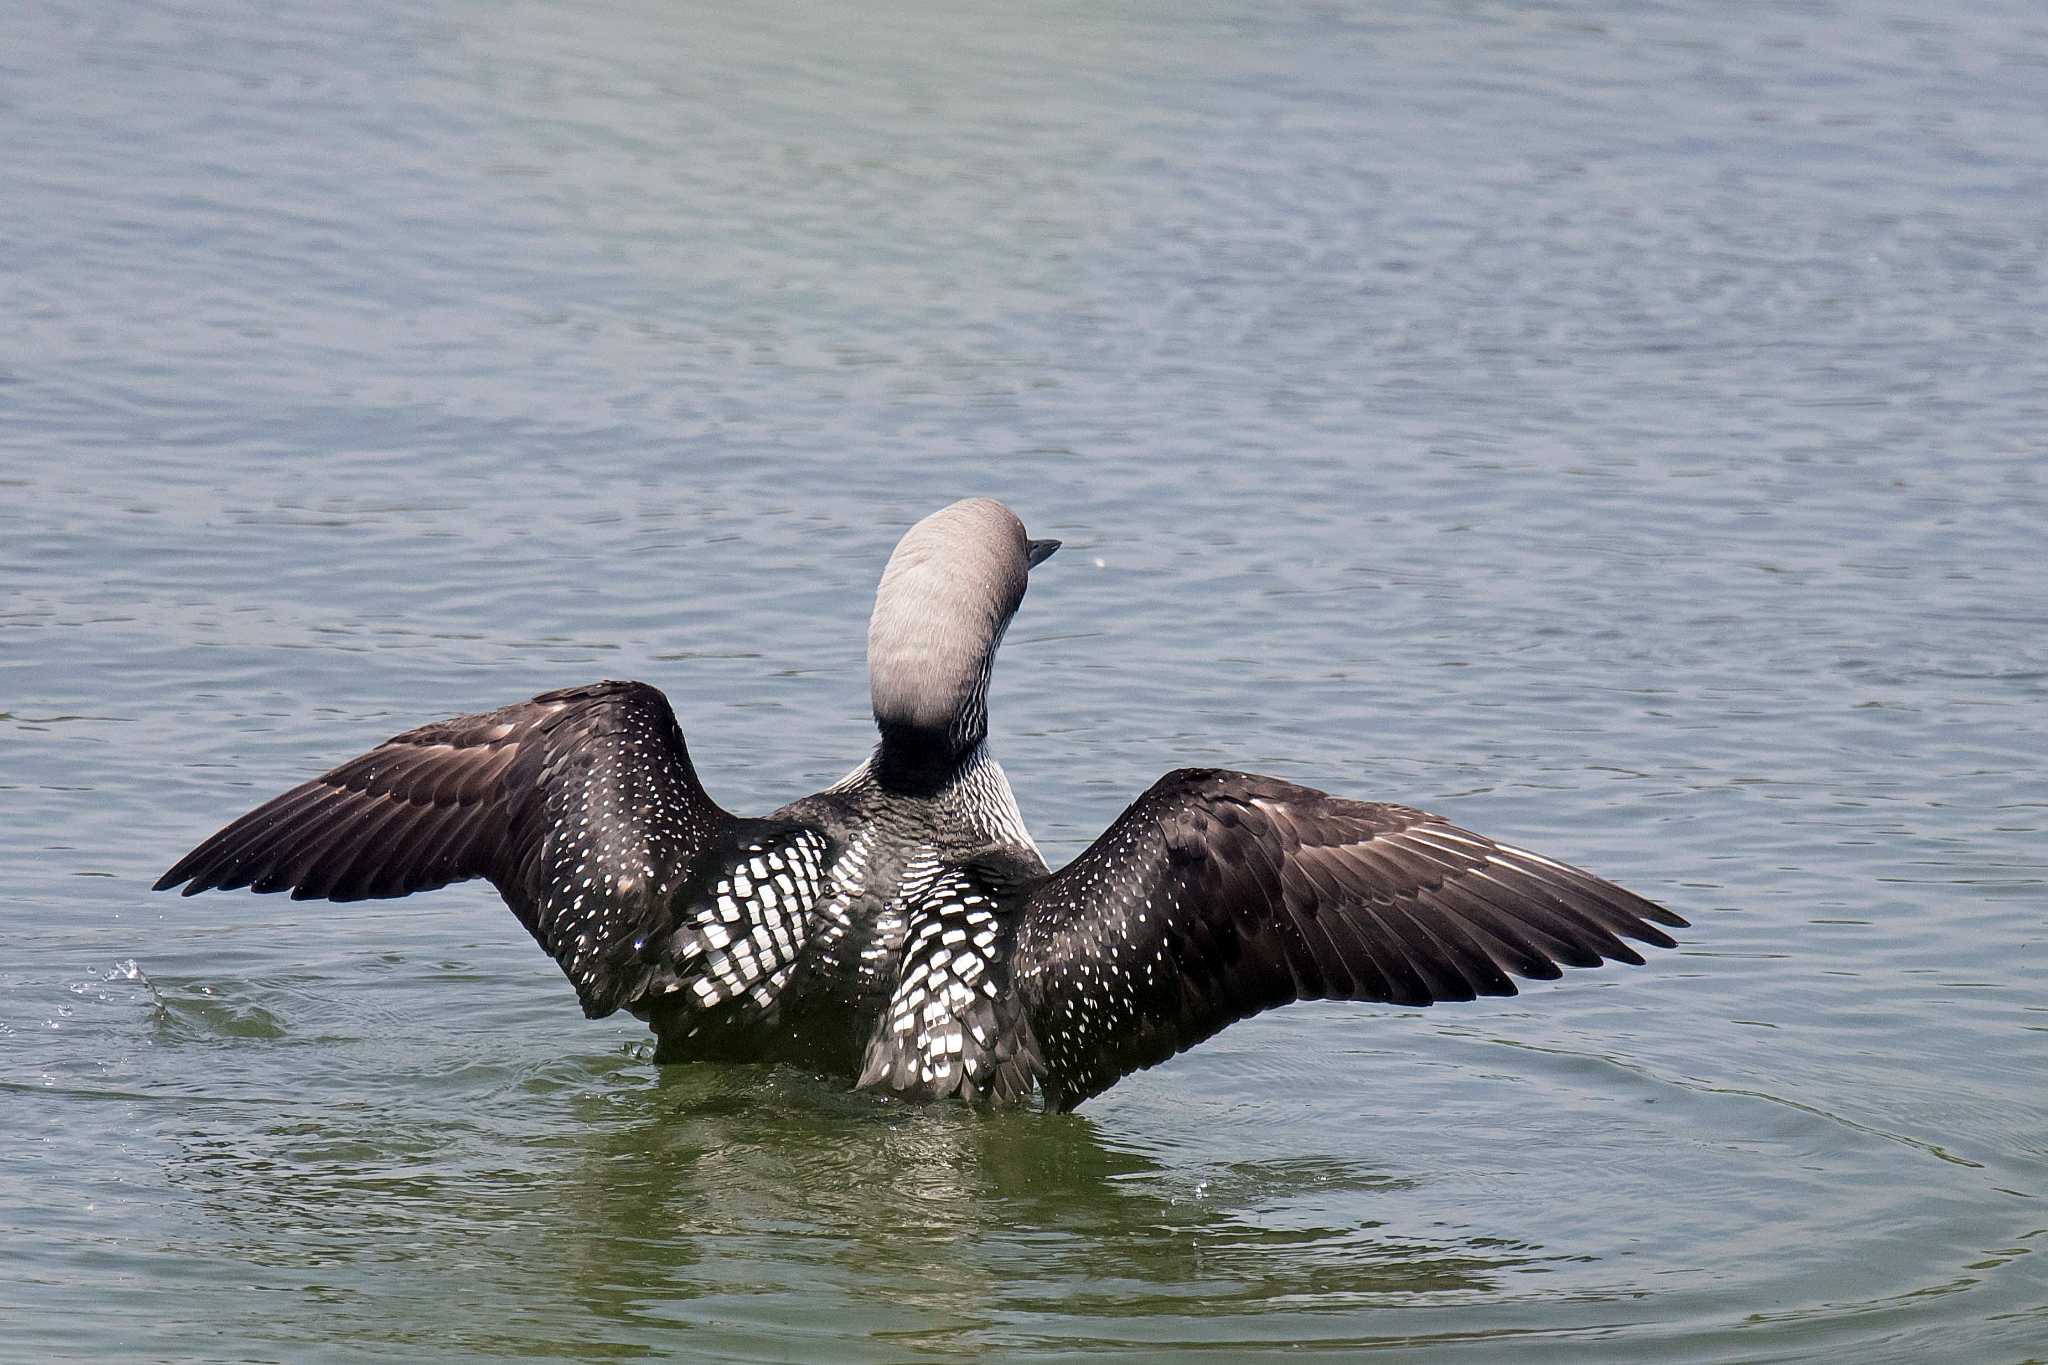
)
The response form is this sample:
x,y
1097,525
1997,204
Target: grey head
x,y
952,585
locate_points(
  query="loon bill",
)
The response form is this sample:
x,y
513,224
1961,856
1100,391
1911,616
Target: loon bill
x,y
901,927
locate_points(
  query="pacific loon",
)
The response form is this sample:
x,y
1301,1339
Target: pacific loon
x,y
900,927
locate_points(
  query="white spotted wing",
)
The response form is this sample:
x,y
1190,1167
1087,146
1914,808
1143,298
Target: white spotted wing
x,y
582,808
1220,894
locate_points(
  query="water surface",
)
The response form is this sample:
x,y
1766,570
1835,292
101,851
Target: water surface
x,y
1617,427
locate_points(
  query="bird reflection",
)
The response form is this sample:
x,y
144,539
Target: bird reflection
x,y
966,1220
765,1200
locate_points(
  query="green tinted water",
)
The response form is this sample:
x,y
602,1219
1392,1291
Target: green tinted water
x,y
1616,429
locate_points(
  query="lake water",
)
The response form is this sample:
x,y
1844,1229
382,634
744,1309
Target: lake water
x,y
1619,427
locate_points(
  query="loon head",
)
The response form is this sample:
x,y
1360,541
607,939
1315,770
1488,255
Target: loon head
x,y
945,600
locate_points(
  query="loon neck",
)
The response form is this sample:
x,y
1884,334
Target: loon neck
x,y
970,785
918,760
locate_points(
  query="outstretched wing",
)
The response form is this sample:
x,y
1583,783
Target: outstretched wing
x,y
582,808
1221,894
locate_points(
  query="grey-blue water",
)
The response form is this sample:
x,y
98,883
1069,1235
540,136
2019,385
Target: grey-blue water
x,y
1619,427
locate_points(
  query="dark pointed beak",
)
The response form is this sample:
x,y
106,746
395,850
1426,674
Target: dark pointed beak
x,y
1036,552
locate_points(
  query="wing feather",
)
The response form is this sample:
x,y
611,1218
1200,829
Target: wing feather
x,y
1217,895
581,807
